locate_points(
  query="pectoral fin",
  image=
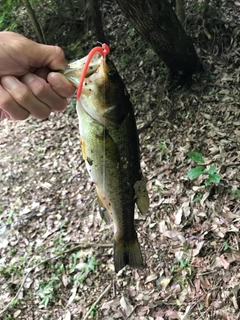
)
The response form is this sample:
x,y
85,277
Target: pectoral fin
x,y
141,195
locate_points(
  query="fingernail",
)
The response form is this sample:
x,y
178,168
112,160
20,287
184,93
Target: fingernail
x,y
8,82
29,77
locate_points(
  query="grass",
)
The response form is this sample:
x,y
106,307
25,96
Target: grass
x,y
74,268
48,289
76,272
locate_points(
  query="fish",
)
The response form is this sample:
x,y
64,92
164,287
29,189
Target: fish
x,y
110,148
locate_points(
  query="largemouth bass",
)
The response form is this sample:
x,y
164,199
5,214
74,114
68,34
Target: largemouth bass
x,y
110,148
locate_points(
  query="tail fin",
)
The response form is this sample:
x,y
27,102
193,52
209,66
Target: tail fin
x,y
127,253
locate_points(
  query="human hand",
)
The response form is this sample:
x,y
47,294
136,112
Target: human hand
x,y
27,84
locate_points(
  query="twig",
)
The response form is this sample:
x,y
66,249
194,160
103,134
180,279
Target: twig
x,y
22,284
26,218
98,299
88,245
80,246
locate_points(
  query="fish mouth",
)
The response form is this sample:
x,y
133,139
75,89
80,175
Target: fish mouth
x,y
75,68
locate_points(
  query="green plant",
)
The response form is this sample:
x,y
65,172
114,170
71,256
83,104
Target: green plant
x,y
162,147
7,16
197,198
159,190
235,194
12,252
185,263
179,303
197,171
199,8
225,245
13,269
85,269
164,150
182,271
47,290
92,311
134,99
14,302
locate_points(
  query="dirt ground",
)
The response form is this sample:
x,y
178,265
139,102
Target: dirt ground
x,y
56,255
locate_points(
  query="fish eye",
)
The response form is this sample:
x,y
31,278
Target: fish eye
x,y
112,75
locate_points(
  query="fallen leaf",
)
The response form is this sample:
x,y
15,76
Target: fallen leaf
x,y
151,277
126,307
196,250
207,300
224,262
67,316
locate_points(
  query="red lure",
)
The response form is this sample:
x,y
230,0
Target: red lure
x,y
104,50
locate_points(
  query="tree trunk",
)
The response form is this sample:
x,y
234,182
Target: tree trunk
x,y
35,23
97,20
157,22
180,12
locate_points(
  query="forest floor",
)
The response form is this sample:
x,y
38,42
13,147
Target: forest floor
x,y
56,255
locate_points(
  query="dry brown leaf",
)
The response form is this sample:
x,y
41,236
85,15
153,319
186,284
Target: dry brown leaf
x,y
208,300
224,262
151,277
197,284
126,307
16,314
67,316
205,282
187,313
42,168
171,314
73,295
196,250
165,282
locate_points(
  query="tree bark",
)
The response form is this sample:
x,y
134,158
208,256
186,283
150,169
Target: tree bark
x,y
180,12
35,23
157,22
97,20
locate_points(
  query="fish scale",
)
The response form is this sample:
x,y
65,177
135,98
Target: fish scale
x,y
110,149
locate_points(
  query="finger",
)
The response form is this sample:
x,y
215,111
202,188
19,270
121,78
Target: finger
x,y
10,108
60,84
24,97
44,92
4,115
48,56
42,72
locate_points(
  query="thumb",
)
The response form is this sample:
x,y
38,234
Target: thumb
x,y
48,56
